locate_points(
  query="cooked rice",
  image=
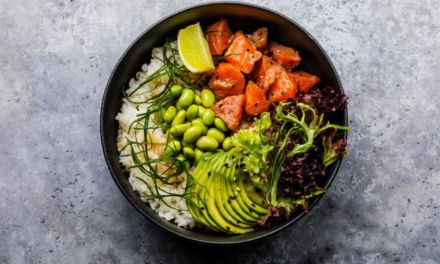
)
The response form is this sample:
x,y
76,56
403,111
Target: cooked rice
x,y
128,113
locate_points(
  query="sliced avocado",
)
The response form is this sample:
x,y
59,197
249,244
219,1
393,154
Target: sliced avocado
x,y
214,188
219,200
244,196
216,214
203,191
199,201
227,203
253,194
247,207
196,214
232,198
190,196
248,194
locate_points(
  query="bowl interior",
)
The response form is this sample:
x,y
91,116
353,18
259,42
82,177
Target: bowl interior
x,y
240,17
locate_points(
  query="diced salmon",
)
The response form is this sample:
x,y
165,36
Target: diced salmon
x,y
230,110
305,81
255,101
242,53
283,88
218,36
266,72
285,56
260,38
227,80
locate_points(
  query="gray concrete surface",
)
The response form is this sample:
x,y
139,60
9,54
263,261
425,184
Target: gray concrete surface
x,y
58,203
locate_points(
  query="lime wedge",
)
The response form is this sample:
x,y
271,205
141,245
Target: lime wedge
x,y
194,50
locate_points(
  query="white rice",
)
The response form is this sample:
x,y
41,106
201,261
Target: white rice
x,y
128,113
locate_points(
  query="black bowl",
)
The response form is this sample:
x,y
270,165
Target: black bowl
x,y
241,17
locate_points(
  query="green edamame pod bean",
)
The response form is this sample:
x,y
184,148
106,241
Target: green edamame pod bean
x,y
227,144
178,130
179,118
201,111
208,117
192,112
187,98
199,122
172,147
176,90
169,114
192,134
197,99
179,107
207,143
215,133
220,125
198,154
181,158
208,97
188,153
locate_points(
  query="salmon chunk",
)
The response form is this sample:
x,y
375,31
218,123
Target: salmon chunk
x,y
218,36
305,81
283,89
260,38
285,56
242,53
266,72
255,101
227,80
230,110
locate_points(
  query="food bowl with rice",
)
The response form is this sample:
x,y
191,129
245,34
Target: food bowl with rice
x,y
224,123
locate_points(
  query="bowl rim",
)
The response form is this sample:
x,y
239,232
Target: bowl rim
x,y
270,231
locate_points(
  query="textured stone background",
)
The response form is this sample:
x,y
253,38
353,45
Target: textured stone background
x,y
58,203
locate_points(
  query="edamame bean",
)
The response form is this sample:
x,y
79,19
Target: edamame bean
x,y
178,130
199,122
187,98
181,158
179,107
198,154
172,147
208,97
176,89
215,133
188,153
197,99
207,143
208,117
227,144
218,122
179,118
201,111
169,114
192,112
192,134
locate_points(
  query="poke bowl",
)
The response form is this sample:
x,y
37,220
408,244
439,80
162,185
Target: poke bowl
x,y
224,123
